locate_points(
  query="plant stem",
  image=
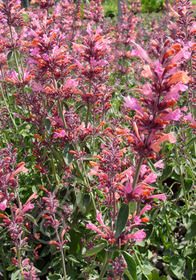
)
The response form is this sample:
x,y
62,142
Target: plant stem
x,y
54,170
19,262
3,263
63,262
15,56
181,178
137,172
87,115
7,107
168,229
61,113
62,254
108,255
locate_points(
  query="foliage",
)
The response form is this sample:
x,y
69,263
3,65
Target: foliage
x,y
152,5
97,151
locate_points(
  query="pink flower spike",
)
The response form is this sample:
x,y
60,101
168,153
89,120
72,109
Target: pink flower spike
x,y
100,219
20,168
93,227
159,164
137,220
167,137
159,196
146,208
175,115
133,104
191,119
138,235
151,178
60,134
174,92
128,188
3,205
147,91
141,53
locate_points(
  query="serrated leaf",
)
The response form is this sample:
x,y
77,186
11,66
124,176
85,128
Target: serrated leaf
x,y
94,250
122,219
131,265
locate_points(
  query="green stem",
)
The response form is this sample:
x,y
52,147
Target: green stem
x,y
62,254
19,262
3,263
108,256
63,262
61,113
7,107
137,172
6,93
15,56
138,260
87,115
87,183
54,170
167,227
181,178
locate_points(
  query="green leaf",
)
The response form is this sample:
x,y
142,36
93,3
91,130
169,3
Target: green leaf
x,y
31,218
9,55
11,268
131,265
127,275
192,140
132,207
144,277
155,275
94,250
54,277
190,266
47,124
190,172
177,266
122,219
15,275
66,153
191,227
151,165
166,173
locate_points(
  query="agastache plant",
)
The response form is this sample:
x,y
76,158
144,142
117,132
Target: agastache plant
x,y
92,71
125,32
93,149
51,219
155,108
15,222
